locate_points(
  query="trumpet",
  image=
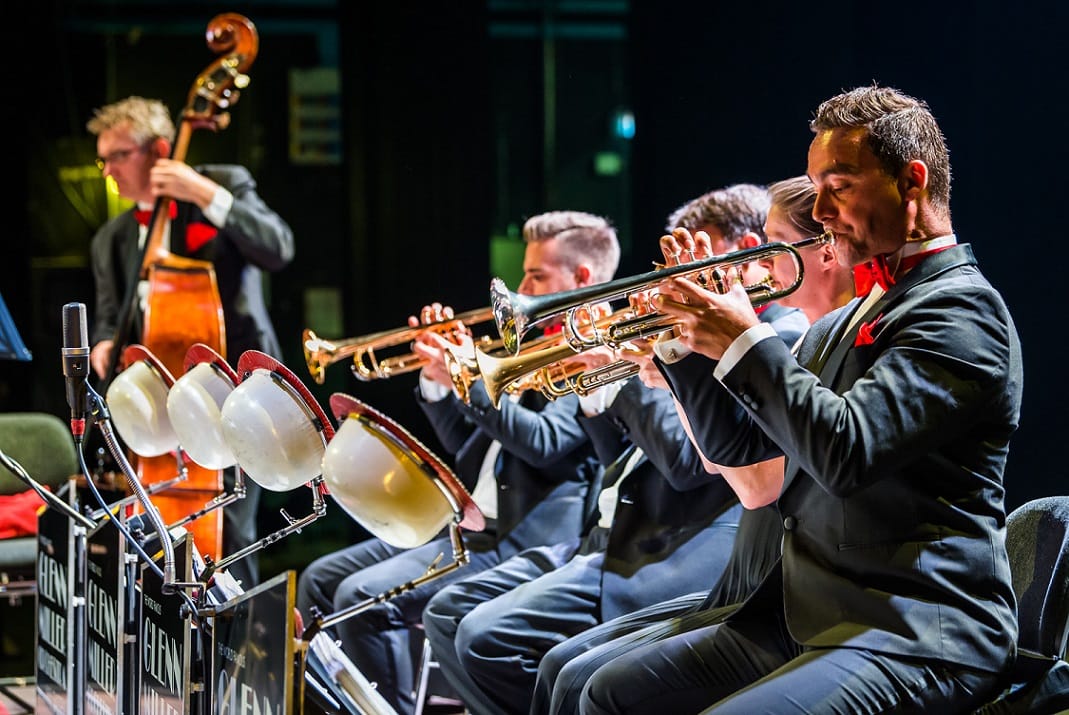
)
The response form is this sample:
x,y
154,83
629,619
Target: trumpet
x,y
465,370
514,314
543,366
320,354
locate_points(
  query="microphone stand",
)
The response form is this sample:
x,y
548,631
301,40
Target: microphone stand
x,y
53,501
102,417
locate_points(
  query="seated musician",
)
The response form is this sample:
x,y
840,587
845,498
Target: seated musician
x,y
667,527
529,465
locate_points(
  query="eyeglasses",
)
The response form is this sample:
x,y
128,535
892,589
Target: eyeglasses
x,y
119,156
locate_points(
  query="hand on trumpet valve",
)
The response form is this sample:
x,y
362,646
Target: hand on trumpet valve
x,y
439,319
706,321
433,313
640,352
432,348
680,246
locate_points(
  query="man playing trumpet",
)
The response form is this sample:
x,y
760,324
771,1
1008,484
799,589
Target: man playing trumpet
x,y
529,465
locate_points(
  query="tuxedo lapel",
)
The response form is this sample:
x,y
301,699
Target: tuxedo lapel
x,y
470,456
829,358
831,339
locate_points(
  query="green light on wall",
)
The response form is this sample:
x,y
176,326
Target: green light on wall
x,y
608,163
506,259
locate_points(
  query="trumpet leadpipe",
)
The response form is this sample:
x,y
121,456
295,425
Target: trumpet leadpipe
x,y
514,314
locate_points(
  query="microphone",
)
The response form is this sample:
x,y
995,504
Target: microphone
x,y
76,363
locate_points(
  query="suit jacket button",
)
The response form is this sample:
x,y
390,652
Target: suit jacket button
x,y
789,523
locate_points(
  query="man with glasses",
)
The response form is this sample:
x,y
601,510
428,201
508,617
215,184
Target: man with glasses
x,y
217,217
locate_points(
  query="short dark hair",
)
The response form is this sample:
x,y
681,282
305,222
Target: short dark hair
x,y
734,210
899,129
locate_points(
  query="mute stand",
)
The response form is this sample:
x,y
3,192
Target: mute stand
x,y
319,509
342,679
166,655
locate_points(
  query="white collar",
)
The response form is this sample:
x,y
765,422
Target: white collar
x,y
914,247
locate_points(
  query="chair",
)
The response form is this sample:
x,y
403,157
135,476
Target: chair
x,y
434,695
1037,538
42,444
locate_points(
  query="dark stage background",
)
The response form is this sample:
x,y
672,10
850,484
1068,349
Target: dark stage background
x,y
453,122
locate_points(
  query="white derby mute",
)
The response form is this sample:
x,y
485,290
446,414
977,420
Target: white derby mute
x,y
195,404
273,425
137,401
387,481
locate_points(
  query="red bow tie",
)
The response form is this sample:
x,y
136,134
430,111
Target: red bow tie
x,y
876,271
143,216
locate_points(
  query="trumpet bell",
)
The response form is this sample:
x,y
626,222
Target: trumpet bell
x,y
387,481
195,404
273,425
137,401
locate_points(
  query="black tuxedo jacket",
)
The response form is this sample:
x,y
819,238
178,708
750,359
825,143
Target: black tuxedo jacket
x,y
669,510
254,239
896,433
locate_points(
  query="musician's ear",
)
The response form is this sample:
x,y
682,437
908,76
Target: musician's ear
x,y
749,240
583,274
160,146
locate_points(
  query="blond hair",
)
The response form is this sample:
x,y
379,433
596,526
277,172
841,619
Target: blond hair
x,y
582,237
146,119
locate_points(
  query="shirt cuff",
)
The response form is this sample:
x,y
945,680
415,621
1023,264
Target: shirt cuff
x,y
670,349
740,346
219,208
431,390
600,399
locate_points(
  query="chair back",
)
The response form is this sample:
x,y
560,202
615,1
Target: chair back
x,y
42,444
1037,538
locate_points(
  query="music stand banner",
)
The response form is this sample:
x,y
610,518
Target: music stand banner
x,y
164,639
253,649
55,657
106,620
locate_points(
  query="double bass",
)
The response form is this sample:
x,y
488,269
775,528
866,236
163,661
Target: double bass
x,y
183,306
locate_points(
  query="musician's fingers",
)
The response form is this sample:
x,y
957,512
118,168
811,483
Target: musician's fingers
x,y
670,249
691,292
684,238
703,244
